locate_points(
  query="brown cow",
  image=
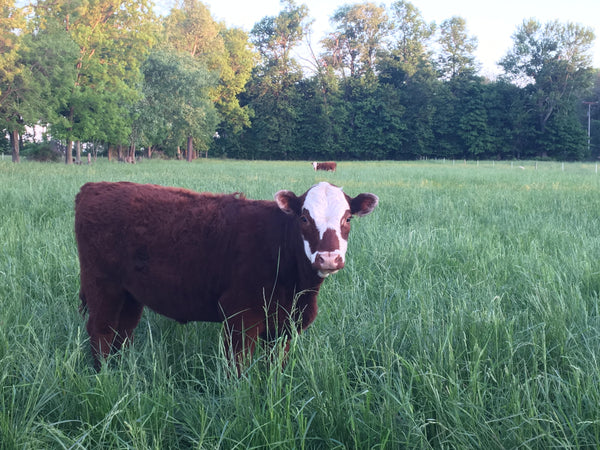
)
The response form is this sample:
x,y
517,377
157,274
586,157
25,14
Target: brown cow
x,y
329,166
257,265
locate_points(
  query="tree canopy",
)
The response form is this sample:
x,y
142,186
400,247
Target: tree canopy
x,y
385,84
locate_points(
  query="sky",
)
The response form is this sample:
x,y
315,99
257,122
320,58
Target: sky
x,y
492,23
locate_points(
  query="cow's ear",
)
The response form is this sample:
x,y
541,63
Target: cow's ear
x,y
363,204
288,202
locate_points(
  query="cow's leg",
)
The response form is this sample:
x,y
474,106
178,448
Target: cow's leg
x,y
131,312
242,332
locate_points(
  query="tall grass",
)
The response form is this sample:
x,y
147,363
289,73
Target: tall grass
x,y
467,317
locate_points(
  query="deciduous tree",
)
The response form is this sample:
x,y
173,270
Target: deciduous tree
x,y
272,92
456,54
553,63
176,103
113,37
410,39
190,29
13,74
359,33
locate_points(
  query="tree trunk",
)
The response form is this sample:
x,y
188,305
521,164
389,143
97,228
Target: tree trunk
x,y
149,154
14,141
110,152
190,148
78,152
69,152
131,154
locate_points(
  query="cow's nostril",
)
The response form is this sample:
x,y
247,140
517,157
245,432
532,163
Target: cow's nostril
x,y
329,261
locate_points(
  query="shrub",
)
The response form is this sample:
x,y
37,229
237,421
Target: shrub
x,y
44,151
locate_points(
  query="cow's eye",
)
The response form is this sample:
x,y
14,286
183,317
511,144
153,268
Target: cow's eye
x,y
348,219
303,219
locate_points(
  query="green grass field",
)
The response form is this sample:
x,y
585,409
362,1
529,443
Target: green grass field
x,y
467,317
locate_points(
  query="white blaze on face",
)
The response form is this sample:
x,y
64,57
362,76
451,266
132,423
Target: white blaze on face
x,y
324,214
328,209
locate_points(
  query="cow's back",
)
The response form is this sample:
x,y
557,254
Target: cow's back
x,y
178,251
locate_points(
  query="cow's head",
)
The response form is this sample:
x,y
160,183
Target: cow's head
x,y
324,213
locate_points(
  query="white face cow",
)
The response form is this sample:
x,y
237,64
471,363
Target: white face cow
x,y
324,212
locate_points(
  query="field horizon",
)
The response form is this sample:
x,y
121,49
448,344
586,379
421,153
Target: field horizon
x,y
467,316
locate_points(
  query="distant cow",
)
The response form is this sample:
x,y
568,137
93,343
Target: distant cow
x,y
329,166
257,265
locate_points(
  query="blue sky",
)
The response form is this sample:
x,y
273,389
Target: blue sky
x,y
492,23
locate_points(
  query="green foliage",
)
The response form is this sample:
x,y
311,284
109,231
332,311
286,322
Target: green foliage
x,y
375,94
112,39
389,85
176,102
456,49
410,34
17,86
554,59
271,92
11,24
359,32
467,317
42,152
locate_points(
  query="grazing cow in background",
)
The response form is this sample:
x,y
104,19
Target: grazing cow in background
x,y
329,166
255,264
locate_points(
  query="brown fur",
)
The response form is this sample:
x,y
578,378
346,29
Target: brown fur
x,y
190,257
329,166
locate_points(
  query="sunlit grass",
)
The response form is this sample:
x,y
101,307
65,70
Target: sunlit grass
x,y
467,317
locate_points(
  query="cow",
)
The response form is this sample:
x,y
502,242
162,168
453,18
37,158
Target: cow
x,y
256,265
329,166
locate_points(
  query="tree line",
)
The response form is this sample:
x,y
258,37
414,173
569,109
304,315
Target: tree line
x,y
113,76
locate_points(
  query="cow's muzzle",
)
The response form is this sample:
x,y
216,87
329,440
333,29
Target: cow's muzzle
x,y
327,263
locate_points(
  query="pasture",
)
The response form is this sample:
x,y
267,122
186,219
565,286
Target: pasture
x,y
467,316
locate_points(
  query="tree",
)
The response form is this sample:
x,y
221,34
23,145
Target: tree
x,y
48,56
235,72
113,37
191,29
410,39
508,120
13,75
176,103
359,33
456,54
471,120
589,113
12,22
565,138
553,63
272,92
418,98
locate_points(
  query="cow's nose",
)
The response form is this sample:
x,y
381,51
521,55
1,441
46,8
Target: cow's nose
x,y
328,261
